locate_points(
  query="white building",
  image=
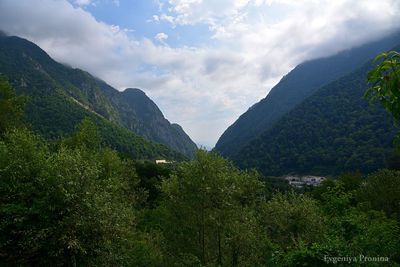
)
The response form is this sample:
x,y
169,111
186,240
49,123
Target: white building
x,y
300,181
163,161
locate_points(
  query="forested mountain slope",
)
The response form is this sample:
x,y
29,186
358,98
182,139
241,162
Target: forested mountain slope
x,y
293,88
60,96
335,130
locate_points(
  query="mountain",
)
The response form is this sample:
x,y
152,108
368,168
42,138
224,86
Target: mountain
x,y
141,115
295,87
333,131
60,97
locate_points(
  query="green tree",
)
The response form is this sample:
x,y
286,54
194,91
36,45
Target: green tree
x,y
85,136
354,234
345,230
66,207
352,230
151,175
381,191
385,82
11,106
209,214
291,219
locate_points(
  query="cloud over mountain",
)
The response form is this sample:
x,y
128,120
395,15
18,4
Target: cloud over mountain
x,y
251,44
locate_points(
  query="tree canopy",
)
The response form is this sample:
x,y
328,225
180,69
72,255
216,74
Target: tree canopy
x,y
385,82
11,106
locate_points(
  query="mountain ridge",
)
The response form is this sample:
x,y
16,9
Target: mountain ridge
x,y
33,72
293,88
333,131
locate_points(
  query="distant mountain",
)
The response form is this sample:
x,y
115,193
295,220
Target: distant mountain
x,y
60,96
333,131
140,114
295,87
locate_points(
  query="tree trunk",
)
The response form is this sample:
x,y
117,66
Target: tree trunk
x,y
219,247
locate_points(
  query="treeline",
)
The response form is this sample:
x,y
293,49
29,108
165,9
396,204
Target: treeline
x,y
76,202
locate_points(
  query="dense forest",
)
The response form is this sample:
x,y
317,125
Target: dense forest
x,y
298,85
75,201
60,97
335,130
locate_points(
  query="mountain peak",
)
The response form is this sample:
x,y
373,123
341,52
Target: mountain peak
x,y
134,91
33,72
3,34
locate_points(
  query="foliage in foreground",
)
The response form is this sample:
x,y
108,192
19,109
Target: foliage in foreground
x,y
69,206
11,106
82,205
385,82
209,214
78,203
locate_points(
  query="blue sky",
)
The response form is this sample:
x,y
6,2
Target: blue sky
x,y
204,62
138,18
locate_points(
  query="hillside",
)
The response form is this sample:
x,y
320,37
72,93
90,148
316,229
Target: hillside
x,y
60,96
293,88
335,130
141,115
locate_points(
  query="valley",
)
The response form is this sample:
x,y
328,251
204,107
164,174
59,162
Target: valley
x,y
93,172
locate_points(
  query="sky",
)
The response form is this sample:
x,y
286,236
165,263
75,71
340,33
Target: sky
x,y
203,62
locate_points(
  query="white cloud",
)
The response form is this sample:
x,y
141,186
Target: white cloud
x,y
203,88
83,2
161,37
169,19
